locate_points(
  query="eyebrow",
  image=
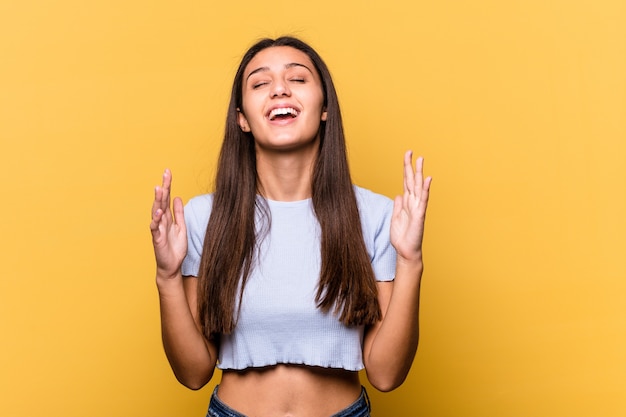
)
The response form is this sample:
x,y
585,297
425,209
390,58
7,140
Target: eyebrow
x,y
287,66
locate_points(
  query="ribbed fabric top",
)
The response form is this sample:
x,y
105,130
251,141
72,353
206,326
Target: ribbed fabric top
x,y
279,321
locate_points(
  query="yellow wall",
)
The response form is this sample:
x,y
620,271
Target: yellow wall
x,y
518,106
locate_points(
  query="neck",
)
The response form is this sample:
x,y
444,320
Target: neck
x,y
285,176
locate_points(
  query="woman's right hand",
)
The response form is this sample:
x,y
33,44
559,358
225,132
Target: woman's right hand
x,y
169,233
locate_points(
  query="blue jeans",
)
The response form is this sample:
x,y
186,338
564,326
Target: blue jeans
x,y
360,408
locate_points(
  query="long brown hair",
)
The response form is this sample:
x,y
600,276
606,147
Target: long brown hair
x,y
347,285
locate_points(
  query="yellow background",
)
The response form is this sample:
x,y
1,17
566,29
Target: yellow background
x,y
518,106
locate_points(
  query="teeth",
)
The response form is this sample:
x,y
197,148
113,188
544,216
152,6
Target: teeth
x,y
282,112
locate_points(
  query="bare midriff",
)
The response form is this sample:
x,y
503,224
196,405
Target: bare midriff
x,y
289,391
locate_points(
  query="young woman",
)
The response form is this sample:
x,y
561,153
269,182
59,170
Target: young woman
x,y
288,277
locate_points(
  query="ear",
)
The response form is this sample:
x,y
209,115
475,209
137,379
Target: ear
x,y
324,115
242,121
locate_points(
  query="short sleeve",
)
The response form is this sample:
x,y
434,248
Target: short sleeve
x,y
197,213
375,211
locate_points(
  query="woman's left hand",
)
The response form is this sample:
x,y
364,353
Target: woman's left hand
x,y
409,212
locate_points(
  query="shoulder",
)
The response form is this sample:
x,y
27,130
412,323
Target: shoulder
x,y
371,202
376,211
198,209
200,202
197,213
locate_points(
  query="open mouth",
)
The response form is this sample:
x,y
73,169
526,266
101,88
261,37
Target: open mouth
x,y
283,113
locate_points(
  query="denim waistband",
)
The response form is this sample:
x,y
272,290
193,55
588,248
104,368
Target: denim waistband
x,y
360,408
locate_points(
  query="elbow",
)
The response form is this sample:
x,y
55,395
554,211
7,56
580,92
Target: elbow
x,y
388,372
386,378
195,387
194,382
192,385
387,384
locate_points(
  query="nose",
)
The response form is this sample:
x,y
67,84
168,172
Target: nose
x,y
279,88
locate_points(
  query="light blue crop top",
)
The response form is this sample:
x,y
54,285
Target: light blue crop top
x,y
279,321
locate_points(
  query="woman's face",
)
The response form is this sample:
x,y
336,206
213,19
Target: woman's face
x,y
283,101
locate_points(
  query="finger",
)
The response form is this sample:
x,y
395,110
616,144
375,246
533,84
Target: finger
x,y
419,174
409,181
156,204
156,220
179,213
427,183
425,195
167,184
397,206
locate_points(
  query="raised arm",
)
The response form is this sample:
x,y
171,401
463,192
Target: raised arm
x,y
390,345
190,355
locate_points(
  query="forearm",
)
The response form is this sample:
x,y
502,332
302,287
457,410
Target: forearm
x,y
191,357
394,341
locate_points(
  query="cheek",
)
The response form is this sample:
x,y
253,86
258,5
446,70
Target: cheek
x,y
250,111
320,101
249,101
322,112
